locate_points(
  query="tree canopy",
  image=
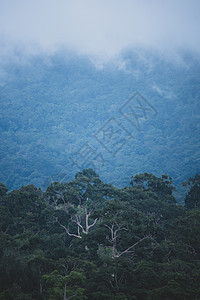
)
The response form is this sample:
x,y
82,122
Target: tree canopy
x,y
86,239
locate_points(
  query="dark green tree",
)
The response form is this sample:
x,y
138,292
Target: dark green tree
x,y
192,199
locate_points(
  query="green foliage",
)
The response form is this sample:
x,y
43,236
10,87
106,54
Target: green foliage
x,y
3,189
192,199
54,283
142,246
161,186
71,285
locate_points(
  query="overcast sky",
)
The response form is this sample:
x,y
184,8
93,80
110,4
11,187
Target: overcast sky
x,y
102,27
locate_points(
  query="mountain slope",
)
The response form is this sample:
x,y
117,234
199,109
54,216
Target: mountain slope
x,y
63,110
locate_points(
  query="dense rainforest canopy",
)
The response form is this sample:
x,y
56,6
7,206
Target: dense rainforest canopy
x,y
86,239
99,150
54,106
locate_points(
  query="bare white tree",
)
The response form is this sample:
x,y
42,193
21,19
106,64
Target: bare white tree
x,y
114,229
82,222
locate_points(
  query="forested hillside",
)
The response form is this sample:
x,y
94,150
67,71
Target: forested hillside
x,y
87,239
54,109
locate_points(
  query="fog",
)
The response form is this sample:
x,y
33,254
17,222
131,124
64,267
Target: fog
x,y
99,27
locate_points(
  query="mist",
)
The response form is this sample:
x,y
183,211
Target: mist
x,y
99,28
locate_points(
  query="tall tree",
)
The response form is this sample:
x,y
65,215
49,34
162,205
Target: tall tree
x,y
192,199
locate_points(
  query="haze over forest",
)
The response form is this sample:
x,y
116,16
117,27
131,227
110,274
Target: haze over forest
x,y
99,116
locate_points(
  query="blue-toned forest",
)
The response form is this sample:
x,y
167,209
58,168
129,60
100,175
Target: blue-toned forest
x,y
56,109
100,184
99,150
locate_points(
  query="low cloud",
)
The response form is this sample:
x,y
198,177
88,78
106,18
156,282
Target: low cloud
x,y
100,27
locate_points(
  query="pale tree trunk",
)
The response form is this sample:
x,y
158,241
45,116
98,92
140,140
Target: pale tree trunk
x,y
78,222
114,229
65,292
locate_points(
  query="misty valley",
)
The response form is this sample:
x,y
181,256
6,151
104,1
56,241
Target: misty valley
x,y
100,184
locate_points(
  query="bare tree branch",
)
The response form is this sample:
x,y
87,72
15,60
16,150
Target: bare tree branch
x,y
78,221
91,225
114,229
67,231
131,247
